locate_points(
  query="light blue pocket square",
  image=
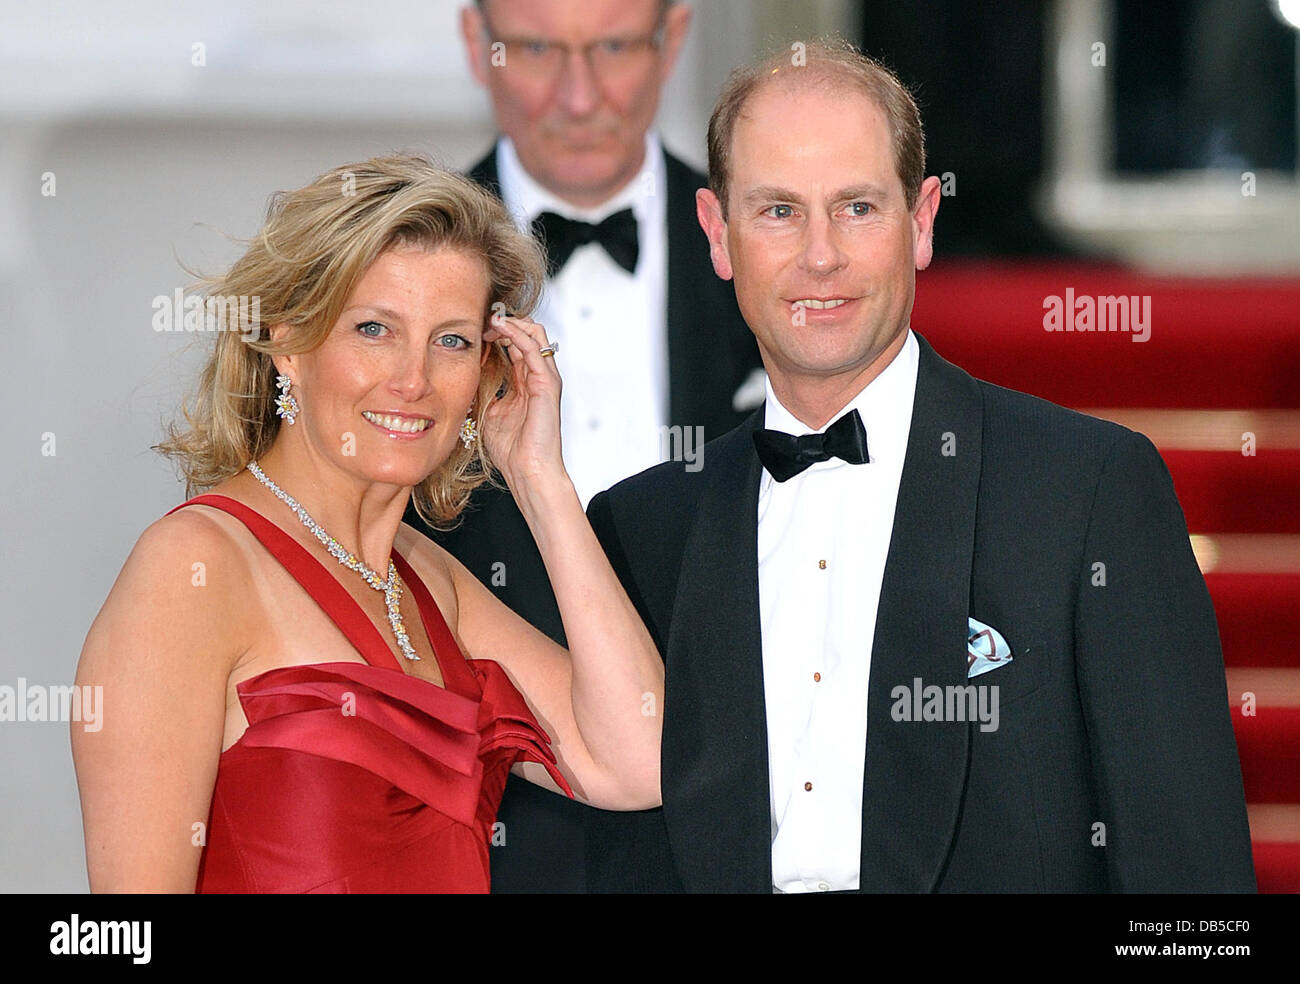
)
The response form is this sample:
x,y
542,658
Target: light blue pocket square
x,y
985,649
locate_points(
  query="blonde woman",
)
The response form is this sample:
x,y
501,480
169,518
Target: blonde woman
x,y
302,694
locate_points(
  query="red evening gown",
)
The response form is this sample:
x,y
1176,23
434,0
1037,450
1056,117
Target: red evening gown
x,y
358,777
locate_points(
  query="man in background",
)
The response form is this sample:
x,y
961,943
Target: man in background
x,y
653,351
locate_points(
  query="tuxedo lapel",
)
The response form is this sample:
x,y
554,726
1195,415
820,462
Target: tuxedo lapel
x,y
485,174
695,324
684,271
915,772
717,802
715,788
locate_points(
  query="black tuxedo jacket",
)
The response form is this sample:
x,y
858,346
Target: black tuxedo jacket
x,y
1114,766
711,351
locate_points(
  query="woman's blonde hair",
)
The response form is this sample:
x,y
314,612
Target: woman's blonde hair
x,y
316,244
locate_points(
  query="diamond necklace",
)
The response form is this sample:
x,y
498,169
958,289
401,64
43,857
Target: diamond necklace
x,y
392,588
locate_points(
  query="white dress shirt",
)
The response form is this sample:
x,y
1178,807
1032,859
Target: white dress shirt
x,y
823,537
611,325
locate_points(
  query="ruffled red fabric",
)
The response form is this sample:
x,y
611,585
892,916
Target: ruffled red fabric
x,y
354,777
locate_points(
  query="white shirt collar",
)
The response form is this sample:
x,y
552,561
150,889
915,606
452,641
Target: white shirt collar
x,y
884,404
526,198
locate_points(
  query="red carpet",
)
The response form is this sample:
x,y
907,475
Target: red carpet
x,y
1253,626
1213,344
1219,374
1269,745
1277,867
1228,492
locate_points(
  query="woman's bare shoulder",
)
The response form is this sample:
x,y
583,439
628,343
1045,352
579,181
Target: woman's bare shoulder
x,y
186,569
422,553
441,573
197,538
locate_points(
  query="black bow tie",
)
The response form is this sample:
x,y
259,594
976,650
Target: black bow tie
x,y
562,236
785,455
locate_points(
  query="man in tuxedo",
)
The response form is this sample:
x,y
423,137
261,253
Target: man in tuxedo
x,y
921,633
654,353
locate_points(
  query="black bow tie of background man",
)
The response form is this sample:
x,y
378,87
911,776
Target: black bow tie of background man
x,y
562,236
785,455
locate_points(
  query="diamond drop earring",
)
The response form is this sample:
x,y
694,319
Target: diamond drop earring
x,y
468,431
285,404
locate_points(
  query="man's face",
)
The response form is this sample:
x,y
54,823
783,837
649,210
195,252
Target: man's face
x,y
575,84
817,216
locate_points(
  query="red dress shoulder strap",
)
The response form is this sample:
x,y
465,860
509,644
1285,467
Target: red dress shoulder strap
x,y
316,580
450,659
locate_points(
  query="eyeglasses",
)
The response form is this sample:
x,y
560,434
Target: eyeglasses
x,y
542,60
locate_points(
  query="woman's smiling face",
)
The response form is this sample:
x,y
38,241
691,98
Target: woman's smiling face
x,y
385,394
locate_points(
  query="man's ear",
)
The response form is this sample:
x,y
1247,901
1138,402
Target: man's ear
x,y
927,204
476,49
709,211
677,22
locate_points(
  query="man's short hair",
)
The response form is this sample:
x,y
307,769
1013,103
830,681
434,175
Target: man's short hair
x,y
663,6
822,61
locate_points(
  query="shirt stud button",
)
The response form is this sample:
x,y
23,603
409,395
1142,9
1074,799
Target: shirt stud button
x,y
817,678
807,787
821,564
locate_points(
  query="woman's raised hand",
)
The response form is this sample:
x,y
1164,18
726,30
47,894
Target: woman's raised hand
x,y
522,428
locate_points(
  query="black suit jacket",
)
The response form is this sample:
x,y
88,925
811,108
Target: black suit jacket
x,y
711,352
1113,710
